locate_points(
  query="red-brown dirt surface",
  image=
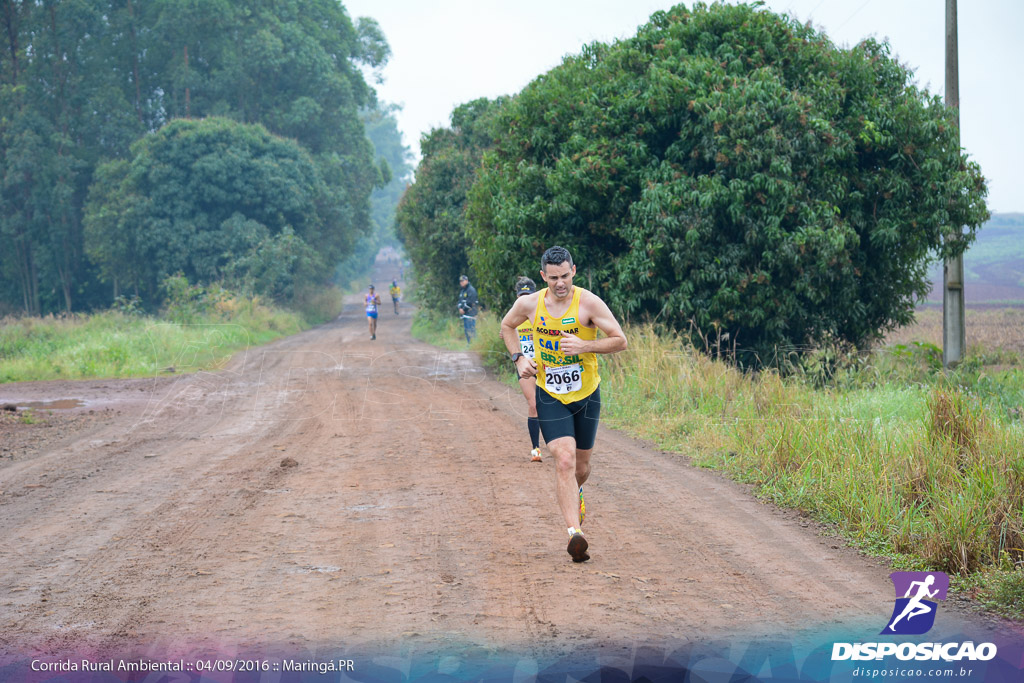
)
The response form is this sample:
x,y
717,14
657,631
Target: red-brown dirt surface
x,y
327,490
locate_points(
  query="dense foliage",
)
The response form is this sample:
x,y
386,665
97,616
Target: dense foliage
x,y
431,216
81,80
213,199
733,170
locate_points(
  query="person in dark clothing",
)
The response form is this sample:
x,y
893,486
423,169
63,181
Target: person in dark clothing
x,y
468,307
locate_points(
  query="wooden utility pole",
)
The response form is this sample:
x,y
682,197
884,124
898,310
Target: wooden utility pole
x,y
954,328
187,78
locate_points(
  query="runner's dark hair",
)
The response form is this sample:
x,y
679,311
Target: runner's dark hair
x,y
523,280
555,255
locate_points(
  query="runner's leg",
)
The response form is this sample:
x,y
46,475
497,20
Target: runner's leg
x,y
567,491
528,386
556,422
586,417
533,426
529,389
582,467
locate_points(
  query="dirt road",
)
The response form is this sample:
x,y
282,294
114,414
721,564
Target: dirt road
x,y
327,489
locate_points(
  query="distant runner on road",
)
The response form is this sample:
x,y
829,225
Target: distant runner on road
x,y
372,302
565,321
525,286
396,294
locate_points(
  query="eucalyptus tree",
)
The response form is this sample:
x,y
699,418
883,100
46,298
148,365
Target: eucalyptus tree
x,y
61,109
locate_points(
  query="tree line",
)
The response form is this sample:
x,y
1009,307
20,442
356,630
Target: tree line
x,y
222,140
726,172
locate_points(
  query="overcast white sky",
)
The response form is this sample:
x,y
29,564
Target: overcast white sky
x,y
446,52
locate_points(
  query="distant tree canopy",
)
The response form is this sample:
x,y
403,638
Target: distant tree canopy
x,y
734,169
382,130
81,80
213,199
430,217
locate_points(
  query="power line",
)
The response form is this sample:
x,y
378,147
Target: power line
x,y
811,14
852,15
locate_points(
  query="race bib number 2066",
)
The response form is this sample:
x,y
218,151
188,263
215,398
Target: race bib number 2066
x,y
563,379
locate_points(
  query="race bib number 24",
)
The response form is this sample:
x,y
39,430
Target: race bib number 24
x,y
526,346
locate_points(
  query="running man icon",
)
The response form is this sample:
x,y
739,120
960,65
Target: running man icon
x,y
915,601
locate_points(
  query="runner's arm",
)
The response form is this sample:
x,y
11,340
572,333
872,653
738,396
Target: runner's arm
x,y
526,367
602,318
513,319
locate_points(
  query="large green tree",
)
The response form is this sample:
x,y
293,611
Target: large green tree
x,y
431,217
732,169
80,80
214,199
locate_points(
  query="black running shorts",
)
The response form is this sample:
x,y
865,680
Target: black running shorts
x,y
577,419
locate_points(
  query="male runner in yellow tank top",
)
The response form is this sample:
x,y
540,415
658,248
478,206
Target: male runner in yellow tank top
x,y
565,320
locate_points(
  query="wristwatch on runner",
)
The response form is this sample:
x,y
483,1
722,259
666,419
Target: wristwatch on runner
x,y
516,356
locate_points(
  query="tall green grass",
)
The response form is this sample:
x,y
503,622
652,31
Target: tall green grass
x,y
904,459
445,332
113,344
199,327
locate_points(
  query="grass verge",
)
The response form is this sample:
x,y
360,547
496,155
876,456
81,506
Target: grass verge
x,y
905,460
444,332
114,344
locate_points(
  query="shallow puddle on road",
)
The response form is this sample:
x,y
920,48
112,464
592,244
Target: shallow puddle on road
x,y
59,404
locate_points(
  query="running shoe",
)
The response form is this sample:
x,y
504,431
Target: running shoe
x,y
536,455
577,547
583,507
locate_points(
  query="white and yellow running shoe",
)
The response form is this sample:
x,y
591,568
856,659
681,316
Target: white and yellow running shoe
x,y
535,455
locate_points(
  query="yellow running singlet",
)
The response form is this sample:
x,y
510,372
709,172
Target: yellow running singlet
x,y
566,378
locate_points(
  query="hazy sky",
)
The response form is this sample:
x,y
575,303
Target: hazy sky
x,y
446,52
